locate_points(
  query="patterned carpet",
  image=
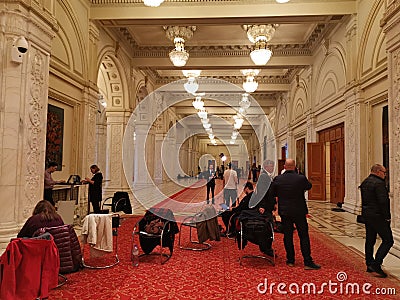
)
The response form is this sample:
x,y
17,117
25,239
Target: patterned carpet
x,y
217,274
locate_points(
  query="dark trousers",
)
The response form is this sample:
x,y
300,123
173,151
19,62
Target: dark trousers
x,y
226,216
48,195
210,188
230,194
302,230
96,206
374,226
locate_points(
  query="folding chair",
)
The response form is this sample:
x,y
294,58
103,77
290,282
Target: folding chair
x,y
110,224
257,229
165,237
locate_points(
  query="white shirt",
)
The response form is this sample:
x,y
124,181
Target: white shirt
x,y
231,180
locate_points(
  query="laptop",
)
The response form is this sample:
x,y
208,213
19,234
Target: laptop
x,y
74,179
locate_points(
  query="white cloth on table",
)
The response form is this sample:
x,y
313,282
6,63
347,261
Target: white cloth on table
x,y
97,231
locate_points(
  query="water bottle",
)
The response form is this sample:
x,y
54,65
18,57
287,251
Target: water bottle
x,y
135,255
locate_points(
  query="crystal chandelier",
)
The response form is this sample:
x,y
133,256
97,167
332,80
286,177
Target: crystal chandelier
x,y
260,35
191,86
198,103
153,3
250,85
245,101
202,113
179,34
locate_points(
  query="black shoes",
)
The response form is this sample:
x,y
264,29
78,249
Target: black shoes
x,y
376,269
312,266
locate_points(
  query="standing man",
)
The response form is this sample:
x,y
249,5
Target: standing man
x,y
289,187
210,176
230,183
49,182
376,213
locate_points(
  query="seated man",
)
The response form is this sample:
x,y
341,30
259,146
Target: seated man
x,y
243,205
263,206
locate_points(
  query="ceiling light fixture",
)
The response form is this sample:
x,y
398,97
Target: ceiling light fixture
x,y
245,101
282,1
191,86
153,3
250,85
198,103
202,113
260,35
179,34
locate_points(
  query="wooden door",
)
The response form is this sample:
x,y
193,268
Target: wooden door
x,y
337,171
316,170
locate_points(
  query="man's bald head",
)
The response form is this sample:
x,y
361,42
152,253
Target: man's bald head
x,y
290,164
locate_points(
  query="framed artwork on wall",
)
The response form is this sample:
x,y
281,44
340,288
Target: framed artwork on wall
x,y
54,135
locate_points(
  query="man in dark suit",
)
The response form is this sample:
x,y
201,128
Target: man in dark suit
x,y
289,187
210,176
376,212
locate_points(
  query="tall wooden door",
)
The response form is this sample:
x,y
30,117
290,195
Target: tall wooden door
x,y
316,170
337,170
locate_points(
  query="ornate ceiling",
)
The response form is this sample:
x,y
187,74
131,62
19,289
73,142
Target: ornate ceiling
x,y
219,46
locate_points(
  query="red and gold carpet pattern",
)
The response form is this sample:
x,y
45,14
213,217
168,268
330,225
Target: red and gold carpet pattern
x,y
217,274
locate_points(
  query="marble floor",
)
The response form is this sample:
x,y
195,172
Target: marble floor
x,y
342,226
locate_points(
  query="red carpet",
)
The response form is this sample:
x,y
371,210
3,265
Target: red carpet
x,y
217,274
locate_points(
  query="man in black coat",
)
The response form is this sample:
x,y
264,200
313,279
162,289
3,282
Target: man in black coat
x,y
289,187
210,177
376,213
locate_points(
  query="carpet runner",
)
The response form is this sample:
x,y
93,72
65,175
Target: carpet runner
x,y
217,274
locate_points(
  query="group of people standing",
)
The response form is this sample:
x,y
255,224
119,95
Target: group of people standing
x,y
287,190
95,185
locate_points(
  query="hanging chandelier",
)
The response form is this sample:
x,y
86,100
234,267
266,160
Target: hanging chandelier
x,y
245,101
198,103
250,84
179,34
153,3
260,35
191,86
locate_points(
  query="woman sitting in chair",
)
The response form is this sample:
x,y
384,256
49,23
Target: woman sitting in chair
x,y
44,215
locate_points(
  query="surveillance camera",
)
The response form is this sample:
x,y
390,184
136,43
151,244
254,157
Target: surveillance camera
x,y
19,48
22,44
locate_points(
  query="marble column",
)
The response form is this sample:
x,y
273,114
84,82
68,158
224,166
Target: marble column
x,y
23,102
355,148
158,164
116,123
141,174
391,24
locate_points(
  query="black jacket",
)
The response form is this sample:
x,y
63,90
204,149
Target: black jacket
x,y
263,196
209,177
289,187
375,198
